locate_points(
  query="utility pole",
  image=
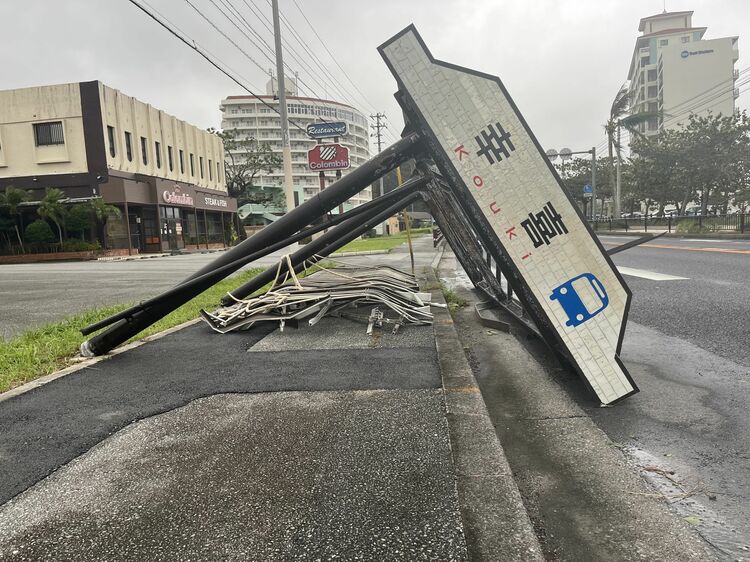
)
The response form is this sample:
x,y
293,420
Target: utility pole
x,y
377,127
285,143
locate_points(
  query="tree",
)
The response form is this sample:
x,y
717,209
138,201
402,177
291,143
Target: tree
x,y
245,158
39,232
619,119
79,219
100,213
53,208
11,199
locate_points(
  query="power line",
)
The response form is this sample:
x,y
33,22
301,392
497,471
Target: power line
x,y
331,55
203,53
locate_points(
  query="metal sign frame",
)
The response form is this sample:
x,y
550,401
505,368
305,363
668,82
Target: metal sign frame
x,y
484,229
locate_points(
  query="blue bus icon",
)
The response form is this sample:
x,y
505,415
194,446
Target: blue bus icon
x,y
569,297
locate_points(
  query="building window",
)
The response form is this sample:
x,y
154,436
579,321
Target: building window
x,y
128,146
685,39
144,150
652,91
218,171
192,165
111,139
652,75
210,173
653,124
644,61
182,162
47,134
170,159
157,150
663,42
200,165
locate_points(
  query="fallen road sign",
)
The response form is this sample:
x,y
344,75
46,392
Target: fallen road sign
x,y
517,204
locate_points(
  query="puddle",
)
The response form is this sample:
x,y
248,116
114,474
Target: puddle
x,y
691,506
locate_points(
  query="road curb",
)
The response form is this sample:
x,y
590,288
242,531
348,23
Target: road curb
x,y
84,363
496,524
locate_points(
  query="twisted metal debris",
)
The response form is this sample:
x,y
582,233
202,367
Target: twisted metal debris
x,y
332,291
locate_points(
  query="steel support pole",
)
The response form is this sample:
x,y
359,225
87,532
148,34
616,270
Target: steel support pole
x,y
192,286
285,227
322,246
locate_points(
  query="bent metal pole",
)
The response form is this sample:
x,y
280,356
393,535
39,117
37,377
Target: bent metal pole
x,y
330,241
193,286
286,226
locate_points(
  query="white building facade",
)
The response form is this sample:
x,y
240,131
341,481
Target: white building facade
x,y
252,118
676,72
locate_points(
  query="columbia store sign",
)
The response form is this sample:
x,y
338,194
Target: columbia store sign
x,y
177,198
328,157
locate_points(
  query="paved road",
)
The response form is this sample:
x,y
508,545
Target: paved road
x,y
710,307
34,294
688,348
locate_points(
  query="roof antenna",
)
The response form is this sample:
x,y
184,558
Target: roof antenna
x,y
665,6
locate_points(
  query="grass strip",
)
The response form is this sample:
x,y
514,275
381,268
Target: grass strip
x,y
44,350
381,242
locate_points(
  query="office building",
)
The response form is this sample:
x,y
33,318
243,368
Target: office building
x,y
252,118
90,140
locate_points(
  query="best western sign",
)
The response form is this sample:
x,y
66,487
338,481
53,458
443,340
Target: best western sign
x,y
328,157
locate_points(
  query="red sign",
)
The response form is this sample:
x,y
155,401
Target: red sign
x,y
328,157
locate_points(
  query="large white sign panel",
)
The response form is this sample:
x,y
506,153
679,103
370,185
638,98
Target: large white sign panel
x,y
488,147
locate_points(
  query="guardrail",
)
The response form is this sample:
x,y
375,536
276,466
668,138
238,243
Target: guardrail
x,y
737,223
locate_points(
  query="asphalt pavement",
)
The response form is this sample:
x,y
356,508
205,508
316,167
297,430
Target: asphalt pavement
x,y
686,346
313,443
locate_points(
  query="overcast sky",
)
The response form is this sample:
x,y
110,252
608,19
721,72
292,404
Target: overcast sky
x,y
562,60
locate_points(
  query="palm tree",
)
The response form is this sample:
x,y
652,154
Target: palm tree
x,y
101,212
619,118
12,198
52,208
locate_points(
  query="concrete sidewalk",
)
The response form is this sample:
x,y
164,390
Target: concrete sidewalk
x,y
317,443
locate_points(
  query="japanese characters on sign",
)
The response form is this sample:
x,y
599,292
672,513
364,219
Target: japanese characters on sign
x,y
509,191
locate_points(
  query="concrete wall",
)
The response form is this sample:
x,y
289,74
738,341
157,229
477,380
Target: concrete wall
x,y
149,125
20,110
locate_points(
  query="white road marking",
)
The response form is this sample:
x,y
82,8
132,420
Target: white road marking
x,y
652,275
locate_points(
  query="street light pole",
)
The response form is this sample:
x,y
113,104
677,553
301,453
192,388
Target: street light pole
x,y
593,182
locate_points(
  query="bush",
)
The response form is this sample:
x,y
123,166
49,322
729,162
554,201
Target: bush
x,y
75,245
39,232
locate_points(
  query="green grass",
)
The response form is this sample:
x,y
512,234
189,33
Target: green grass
x,y
44,350
381,242
452,299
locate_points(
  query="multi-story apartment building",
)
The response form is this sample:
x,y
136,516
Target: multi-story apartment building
x,y
251,118
90,140
674,71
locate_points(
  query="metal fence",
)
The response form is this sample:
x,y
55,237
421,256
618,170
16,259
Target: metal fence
x,y
736,223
